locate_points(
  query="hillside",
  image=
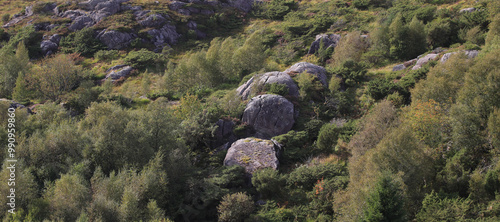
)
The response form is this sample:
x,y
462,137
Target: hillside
x,y
242,110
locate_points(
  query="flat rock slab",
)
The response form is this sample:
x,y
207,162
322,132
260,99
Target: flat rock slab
x,y
253,154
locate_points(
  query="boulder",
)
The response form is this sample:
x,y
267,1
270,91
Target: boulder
x,y
48,47
318,71
118,71
50,44
469,53
468,10
91,4
269,115
110,7
424,60
243,5
224,133
28,11
259,81
115,39
176,5
398,67
165,35
327,40
81,22
253,154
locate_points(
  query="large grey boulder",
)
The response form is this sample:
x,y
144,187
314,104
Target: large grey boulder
x,y
269,115
328,41
165,35
118,71
115,39
469,53
468,10
257,82
81,22
253,154
50,45
318,71
424,60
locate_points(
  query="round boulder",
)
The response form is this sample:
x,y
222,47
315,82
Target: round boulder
x,y
253,154
259,81
301,67
269,115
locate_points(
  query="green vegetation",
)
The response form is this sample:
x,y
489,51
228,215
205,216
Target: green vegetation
x,y
371,145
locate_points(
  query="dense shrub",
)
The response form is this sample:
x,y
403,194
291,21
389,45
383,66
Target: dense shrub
x,y
235,207
82,42
106,55
143,58
278,89
274,9
327,138
305,177
269,183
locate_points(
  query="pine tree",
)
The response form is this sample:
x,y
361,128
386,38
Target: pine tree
x,y
21,92
385,203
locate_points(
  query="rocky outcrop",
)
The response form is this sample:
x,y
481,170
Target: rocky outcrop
x,y
50,44
469,53
150,20
117,72
318,71
243,5
328,41
81,22
115,39
257,82
165,35
424,60
269,115
465,10
253,154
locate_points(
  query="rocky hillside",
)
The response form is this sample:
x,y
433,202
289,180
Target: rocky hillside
x,y
241,110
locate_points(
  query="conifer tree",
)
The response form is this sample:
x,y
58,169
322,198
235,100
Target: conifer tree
x,y
385,203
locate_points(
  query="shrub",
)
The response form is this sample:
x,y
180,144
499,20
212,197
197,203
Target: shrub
x,y
82,42
143,58
5,18
275,9
351,71
439,208
295,145
385,202
305,177
278,89
235,207
106,55
269,183
380,88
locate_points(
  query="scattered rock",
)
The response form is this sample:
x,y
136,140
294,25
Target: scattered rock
x,y
318,71
253,154
81,22
398,67
259,81
243,5
110,7
469,53
330,40
424,60
115,39
410,62
118,71
468,10
28,11
176,5
269,115
43,26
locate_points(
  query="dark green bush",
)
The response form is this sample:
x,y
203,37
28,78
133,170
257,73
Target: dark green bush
x,y
294,145
143,58
305,177
351,71
228,177
441,32
5,18
106,55
269,183
380,88
327,138
31,39
82,42
275,9
278,89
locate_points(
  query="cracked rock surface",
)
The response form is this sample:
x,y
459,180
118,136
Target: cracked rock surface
x,y
269,115
253,154
259,81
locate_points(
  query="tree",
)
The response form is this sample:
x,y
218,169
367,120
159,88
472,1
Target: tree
x,y
385,202
55,76
235,207
21,93
11,65
82,42
251,56
350,47
327,138
68,197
